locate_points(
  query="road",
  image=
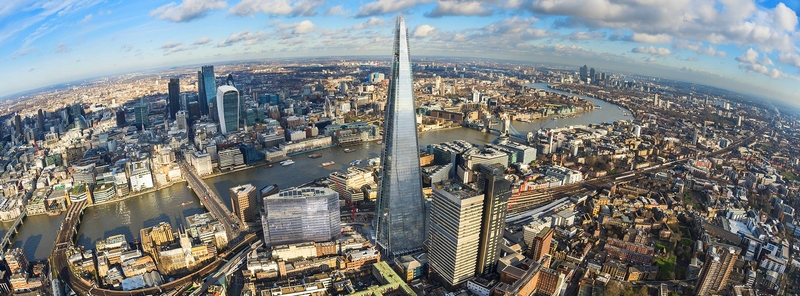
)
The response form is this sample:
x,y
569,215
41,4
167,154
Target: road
x,y
211,201
233,262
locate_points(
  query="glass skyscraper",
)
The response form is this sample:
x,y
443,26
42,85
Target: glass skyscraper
x,y
228,108
210,87
201,94
400,209
174,88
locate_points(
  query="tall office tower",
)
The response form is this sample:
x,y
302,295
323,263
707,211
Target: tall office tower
x,y
181,120
400,219
496,192
244,203
40,119
174,87
194,111
456,214
720,260
301,215
142,114
540,245
228,108
343,88
210,87
591,74
121,118
201,94
229,80
17,125
655,100
584,72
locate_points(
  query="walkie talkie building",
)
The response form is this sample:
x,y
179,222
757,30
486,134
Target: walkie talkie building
x,y
400,206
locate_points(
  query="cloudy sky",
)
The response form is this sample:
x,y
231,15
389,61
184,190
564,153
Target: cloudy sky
x,y
749,46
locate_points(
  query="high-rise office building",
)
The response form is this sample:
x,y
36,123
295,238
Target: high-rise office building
x,y
720,260
121,118
17,125
142,115
496,192
174,87
540,245
181,120
194,111
40,119
584,73
209,86
201,94
456,214
228,108
399,218
301,215
244,203
229,80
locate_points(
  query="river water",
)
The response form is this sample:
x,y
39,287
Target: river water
x,y
127,217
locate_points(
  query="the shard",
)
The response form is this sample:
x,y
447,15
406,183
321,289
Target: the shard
x,y
400,206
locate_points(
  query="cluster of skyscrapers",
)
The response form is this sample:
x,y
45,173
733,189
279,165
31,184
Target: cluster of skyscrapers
x,y
223,104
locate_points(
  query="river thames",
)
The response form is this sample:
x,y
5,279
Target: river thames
x,y
171,204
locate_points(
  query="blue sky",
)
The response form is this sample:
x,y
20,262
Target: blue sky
x,y
743,45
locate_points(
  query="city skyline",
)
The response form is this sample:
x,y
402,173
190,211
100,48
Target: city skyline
x,y
744,46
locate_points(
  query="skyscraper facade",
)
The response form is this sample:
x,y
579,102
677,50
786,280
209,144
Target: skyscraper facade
x,y
40,119
454,242
201,94
400,209
540,245
228,108
496,192
174,88
301,215
720,260
243,202
209,86
17,125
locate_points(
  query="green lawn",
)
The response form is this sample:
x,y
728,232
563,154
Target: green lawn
x,y
791,176
666,268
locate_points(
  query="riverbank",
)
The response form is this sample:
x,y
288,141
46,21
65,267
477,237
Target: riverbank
x,y
575,92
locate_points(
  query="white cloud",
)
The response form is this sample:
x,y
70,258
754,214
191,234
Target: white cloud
x,y
423,31
303,27
697,47
202,41
785,17
277,7
22,52
335,10
387,6
62,48
743,23
789,58
749,62
188,10
580,35
170,45
371,23
85,19
246,36
651,38
660,51
459,7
